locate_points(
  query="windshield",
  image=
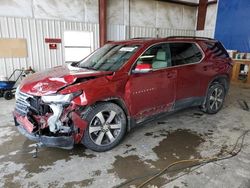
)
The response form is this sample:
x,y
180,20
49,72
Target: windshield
x,y
110,57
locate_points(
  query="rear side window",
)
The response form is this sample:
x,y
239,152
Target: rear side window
x,y
217,49
185,53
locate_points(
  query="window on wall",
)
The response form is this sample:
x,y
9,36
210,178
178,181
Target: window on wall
x,y
77,45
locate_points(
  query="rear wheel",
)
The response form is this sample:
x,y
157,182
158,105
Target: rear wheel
x,y
107,126
8,95
215,98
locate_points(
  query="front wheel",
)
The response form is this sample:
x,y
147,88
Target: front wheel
x,y
107,126
215,98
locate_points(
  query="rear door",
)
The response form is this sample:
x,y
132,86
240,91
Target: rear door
x,y
152,92
186,58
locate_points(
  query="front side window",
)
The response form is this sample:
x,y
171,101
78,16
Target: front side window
x,y
185,53
156,57
110,57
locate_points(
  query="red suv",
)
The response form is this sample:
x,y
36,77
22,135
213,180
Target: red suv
x,y
97,100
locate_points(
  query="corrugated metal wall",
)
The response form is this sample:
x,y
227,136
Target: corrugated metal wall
x,y
164,32
121,32
36,30
142,32
205,33
116,32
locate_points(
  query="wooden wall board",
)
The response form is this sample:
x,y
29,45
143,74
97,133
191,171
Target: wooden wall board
x,y
13,48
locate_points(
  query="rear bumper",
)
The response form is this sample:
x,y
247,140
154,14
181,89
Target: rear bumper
x,y
65,142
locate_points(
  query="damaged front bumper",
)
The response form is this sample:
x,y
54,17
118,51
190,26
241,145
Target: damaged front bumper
x,y
53,124
24,127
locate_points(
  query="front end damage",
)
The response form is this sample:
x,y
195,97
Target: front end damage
x,y
52,120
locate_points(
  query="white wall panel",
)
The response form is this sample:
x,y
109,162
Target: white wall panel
x,y
35,31
205,33
142,32
116,32
20,8
74,10
166,32
159,32
211,17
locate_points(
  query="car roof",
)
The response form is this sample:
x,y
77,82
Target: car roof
x,y
148,40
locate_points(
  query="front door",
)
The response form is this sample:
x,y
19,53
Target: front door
x,y
152,92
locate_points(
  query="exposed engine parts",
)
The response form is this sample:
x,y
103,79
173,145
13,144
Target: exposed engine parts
x,y
54,122
46,114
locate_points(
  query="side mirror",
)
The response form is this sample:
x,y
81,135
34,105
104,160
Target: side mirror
x,y
142,68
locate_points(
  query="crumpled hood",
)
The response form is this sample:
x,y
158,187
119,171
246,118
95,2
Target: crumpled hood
x,y
51,80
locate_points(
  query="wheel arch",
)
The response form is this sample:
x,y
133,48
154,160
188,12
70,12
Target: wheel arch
x,y
222,79
120,102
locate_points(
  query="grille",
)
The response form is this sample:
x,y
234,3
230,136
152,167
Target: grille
x,y
22,103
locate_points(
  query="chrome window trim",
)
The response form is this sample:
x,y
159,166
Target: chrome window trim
x,y
202,52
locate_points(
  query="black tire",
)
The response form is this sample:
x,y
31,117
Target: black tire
x,y
1,93
8,95
215,98
107,126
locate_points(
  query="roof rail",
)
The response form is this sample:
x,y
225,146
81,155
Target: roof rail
x,y
138,38
193,37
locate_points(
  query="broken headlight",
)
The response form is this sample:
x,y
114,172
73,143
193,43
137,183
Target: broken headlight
x,y
59,98
17,93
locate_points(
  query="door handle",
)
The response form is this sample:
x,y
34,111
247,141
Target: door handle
x,y
205,68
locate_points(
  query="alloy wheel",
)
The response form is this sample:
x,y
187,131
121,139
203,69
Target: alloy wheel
x,y
216,99
105,127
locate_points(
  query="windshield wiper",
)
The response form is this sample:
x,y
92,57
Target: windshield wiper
x,y
74,64
89,68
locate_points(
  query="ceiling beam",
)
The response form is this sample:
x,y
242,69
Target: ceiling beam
x,y
102,22
202,12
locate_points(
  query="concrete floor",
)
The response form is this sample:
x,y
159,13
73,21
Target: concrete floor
x,y
185,135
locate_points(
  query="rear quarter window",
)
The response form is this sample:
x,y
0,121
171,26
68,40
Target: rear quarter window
x,y
217,49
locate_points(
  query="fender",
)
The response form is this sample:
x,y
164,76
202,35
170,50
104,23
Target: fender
x,y
120,102
218,77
